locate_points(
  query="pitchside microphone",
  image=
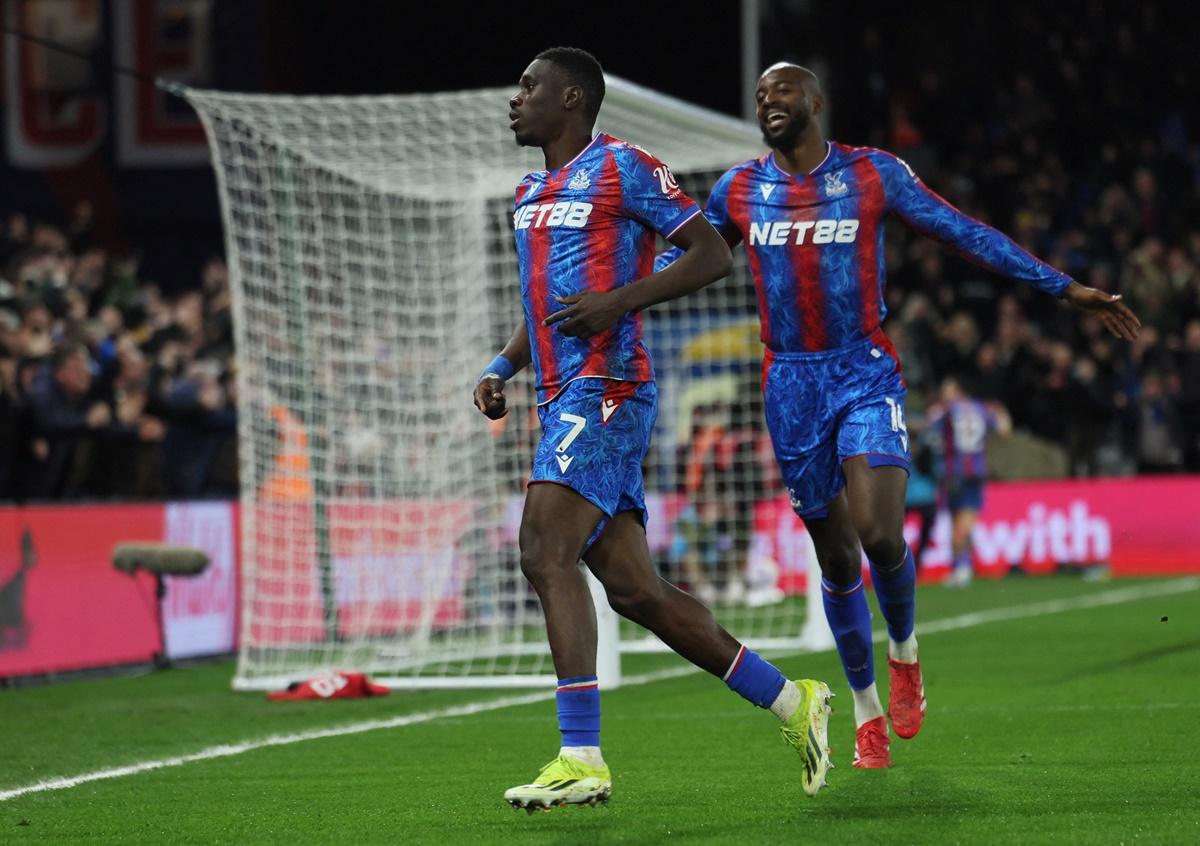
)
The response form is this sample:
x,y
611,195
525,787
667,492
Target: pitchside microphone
x,y
159,559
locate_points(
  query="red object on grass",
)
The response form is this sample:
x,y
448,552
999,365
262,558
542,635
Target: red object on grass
x,y
337,685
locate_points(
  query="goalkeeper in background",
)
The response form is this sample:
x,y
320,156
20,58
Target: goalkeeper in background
x,y
585,233
811,213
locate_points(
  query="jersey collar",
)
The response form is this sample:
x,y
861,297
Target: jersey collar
x,y
784,173
578,156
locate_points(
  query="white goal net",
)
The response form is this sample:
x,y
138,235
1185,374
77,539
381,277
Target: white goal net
x,y
371,256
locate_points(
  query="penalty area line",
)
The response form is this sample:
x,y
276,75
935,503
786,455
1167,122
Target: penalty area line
x,y
228,750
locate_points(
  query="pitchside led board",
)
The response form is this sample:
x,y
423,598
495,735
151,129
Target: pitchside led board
x,y
58,108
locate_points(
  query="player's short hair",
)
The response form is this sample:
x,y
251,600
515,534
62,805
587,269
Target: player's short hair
x,y
580,68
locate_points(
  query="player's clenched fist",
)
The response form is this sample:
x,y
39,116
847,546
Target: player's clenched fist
x,y
489,397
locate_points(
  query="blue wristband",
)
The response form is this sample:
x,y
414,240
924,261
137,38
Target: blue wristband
x,y
500,367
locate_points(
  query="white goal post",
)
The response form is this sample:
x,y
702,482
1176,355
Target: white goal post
x,y
373,272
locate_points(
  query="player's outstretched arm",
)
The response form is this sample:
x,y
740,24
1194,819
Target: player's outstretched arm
x,y
929,214
489,390
705,259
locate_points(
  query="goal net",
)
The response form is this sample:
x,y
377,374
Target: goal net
x,y
371,257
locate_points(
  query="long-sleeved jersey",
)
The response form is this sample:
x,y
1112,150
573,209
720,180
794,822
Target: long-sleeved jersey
x,y
589,226
815,242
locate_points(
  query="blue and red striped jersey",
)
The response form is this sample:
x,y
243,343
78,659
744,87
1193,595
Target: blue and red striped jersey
x,y
964,425
590,226
815,242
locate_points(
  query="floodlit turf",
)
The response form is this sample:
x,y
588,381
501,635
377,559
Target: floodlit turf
x,y
1071,727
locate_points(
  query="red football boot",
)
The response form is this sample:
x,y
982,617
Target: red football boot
x,y
906,701
871,745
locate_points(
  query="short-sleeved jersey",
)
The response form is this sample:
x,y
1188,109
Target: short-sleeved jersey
x,y
963,425
590,226
815,242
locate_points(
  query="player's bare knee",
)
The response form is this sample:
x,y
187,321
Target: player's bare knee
x,y
635,603
842,565
883,546
543,561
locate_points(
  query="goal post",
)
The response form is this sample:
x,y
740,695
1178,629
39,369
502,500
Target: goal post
x,y
373,273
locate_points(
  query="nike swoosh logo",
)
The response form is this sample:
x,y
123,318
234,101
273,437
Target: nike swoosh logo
x,y
564,461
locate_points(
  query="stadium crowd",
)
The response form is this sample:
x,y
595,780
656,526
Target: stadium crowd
x,y
108,388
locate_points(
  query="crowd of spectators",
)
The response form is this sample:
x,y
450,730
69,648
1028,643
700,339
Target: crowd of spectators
x,y
108,387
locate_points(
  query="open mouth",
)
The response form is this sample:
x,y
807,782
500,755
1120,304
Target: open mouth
x,y
776,119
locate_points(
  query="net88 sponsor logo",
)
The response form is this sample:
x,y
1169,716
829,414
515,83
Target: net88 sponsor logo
x,y
573,215
778,233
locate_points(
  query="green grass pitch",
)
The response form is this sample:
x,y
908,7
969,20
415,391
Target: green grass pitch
x,y
1062,724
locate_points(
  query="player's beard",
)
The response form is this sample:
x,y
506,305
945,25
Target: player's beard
x,y
790,137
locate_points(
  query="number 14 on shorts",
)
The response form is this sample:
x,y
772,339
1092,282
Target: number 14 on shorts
x,y
898,425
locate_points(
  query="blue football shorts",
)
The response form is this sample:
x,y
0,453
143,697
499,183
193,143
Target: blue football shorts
x,y
825,407
595,434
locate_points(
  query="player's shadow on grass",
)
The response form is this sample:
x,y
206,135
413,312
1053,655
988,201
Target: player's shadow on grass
x,y
900,795
602,826
1110,665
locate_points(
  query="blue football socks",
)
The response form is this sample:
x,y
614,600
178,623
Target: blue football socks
x,y
579,710
755,679
896,589
850,620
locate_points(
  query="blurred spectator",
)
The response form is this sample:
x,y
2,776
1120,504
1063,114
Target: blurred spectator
x,y
197,404
1160,430
129,465
1189,398
63,412
10,421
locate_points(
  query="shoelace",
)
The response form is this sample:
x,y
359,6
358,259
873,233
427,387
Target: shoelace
x,y
872,742
792,735
568,766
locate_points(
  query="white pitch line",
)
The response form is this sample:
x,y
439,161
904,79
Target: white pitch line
x,y
230,749
1057,606
1037,609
